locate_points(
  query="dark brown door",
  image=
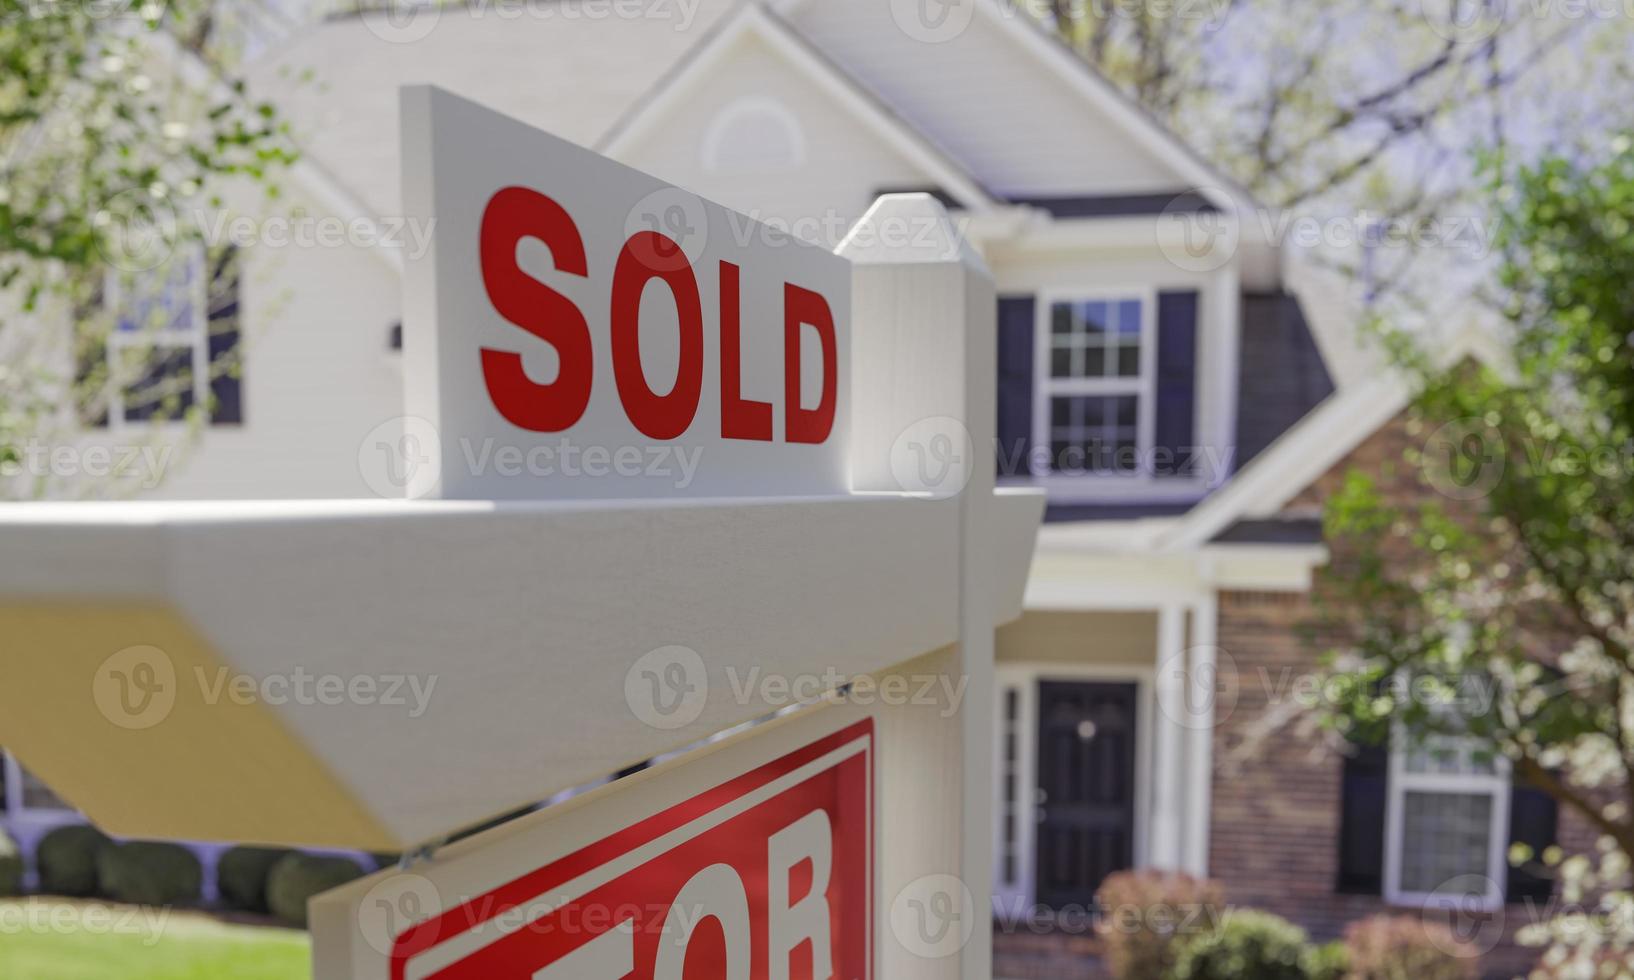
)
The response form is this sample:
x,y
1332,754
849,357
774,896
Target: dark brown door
x,y
1086,788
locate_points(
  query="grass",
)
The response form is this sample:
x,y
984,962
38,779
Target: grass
x,y
56,940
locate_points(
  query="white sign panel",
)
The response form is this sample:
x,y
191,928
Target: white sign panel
x,y
579,329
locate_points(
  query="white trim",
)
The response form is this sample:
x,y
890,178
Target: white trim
x,y
1169,748
1026,676
755,21
1401,782
1201,682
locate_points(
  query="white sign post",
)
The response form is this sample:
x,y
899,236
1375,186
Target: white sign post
x,y
831,548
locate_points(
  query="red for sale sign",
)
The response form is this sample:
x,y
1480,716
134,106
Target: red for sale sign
x,y
766,877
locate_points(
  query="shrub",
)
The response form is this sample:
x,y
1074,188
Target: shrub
x,y
1330,962
1246,944
297,877
1146,915
11,867
67,859
241,876
146,873
1400,948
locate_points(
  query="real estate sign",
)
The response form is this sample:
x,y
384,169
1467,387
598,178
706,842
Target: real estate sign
x,y
753,861
581,329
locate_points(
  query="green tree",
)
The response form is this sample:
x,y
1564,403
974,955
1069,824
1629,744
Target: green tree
x,y
1517,582
119,123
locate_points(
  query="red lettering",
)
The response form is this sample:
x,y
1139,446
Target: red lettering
x,y
741,418
802,307
656,416
513,214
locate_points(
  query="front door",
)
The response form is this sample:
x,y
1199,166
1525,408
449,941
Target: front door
x,y
1086,788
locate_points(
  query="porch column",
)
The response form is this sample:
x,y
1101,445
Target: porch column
x,y
1201,693
1166,848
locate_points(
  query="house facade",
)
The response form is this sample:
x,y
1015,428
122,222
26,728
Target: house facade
x,y
1185,389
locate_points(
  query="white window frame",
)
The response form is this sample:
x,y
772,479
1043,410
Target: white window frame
x,y
1086,487
1497,784
195,337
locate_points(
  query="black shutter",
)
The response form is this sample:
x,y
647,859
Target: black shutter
x,y
1533,821
1363,797
1175,442
1015,392
226,356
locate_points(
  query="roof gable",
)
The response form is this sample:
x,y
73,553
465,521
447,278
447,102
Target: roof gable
x,y
757,52
1024,113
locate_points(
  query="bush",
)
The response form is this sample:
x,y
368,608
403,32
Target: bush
x,y
67,859
145,873
11,867
1330,962
1246,944
1146,915
1400,948
241,876
297,877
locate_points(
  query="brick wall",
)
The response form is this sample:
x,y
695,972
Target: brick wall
x,y
1275,820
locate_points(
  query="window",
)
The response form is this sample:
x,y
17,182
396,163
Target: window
x,y
171,344
1093,405
1447,823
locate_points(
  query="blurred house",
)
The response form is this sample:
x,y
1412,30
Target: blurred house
x,y
1185,391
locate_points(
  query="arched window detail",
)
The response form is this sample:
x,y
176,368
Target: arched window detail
x,y
754,135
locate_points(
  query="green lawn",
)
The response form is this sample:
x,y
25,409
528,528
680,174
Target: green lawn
x,y
51,940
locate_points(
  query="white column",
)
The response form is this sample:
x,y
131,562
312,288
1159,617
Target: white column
x,y
1165,850
1201,694
923,411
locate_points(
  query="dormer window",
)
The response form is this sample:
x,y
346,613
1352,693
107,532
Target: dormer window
x,y
1093,406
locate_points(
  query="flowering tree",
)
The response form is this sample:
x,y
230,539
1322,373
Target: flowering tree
x,y
115,119
1522,579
